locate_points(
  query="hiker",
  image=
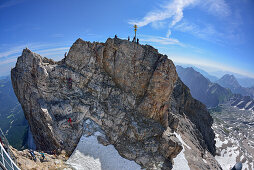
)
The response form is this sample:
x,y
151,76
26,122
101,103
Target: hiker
x,y
128,38
115,36
69,120
42,155
134,39
33,155
238,166
137,41
65,55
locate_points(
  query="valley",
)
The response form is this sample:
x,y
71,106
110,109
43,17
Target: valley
x,y
234,135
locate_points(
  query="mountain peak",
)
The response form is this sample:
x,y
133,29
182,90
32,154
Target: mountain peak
x,y
128,92
229,81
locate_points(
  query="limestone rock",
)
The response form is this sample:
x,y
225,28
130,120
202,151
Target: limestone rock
x,y
130,91
25,161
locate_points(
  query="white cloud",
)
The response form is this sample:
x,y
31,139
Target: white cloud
x,y
158,24
173,12
173,9
168,33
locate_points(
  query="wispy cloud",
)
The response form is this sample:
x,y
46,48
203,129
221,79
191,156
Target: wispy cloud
x,y
216,7
61,49
10,60
202,31
172,13
160,40
10,54
173,9
11,51
210,65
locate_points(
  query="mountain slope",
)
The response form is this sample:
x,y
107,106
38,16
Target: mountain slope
x,y
245,81
129,93
13,122
211,94
203,72
229,81
206,75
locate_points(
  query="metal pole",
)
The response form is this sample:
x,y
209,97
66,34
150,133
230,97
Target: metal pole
x,y
2,148
135,26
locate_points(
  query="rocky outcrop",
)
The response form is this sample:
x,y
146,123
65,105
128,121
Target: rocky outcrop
x,y
130,91
25,161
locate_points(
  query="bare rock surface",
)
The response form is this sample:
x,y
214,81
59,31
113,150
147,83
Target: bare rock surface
x,y
130,91
51,162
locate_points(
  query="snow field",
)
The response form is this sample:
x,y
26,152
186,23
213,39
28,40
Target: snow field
x,y
91,155
180,162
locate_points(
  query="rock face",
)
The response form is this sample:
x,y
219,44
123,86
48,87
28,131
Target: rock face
x,y
211,94
25,162
130,91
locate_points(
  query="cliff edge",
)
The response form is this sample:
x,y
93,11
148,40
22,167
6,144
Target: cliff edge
x,y
130,91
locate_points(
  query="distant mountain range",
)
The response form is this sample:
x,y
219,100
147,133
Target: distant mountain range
x,y
229,81
213,77
206,75
245,81
12,119
201,88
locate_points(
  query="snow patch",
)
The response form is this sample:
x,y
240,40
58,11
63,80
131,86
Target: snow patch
x,y
247,105
239,103
180,161
227,158
91,155
218,141
181,140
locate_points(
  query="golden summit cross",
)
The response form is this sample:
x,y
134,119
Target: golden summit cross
x,y
135,29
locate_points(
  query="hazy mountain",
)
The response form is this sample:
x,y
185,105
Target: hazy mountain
x,y
203,89
229,81
13,122
203,72
245,81
206,75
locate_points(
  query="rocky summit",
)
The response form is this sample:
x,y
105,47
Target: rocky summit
x,y
130,91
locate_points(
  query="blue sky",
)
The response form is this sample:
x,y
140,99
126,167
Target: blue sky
x,y
215,35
